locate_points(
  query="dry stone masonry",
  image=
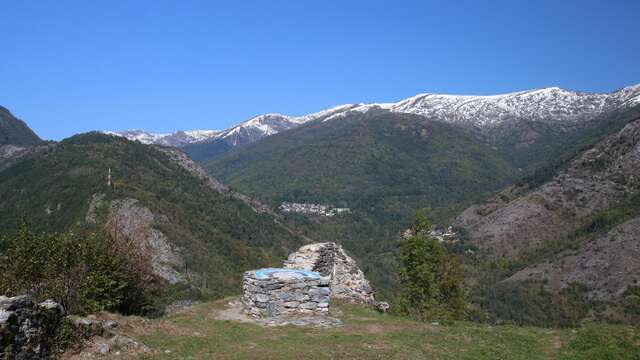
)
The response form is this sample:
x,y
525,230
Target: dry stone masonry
x,y
347,281
277,292
26,328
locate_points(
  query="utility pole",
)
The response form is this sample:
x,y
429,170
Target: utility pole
x,y
109,178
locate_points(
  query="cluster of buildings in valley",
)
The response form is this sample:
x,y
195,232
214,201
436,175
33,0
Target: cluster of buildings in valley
x,y
444,235
312,209
441,234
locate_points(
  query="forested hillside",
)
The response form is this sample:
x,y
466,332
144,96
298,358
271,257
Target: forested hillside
x,y
14,131
206,237
381,165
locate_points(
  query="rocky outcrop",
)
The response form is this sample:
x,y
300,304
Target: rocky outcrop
x,y
127,218
607,266
520,219
347,281
27,329
95,204
11,154
286,293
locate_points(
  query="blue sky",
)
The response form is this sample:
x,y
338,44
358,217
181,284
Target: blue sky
x,y
74,66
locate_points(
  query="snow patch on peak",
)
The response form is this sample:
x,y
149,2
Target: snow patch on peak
x,y
629,96
358,108
551,103
176,138
269,124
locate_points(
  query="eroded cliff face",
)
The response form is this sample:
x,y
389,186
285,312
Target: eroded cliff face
x,y
519,220
329,259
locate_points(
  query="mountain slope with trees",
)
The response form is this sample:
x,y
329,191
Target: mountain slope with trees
x,y
382,165
14,131
563,245
385,165
363,160
214,235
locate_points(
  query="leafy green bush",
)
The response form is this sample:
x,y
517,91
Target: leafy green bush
x,y
431,279
83,272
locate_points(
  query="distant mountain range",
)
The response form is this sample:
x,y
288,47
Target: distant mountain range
x,y
176,138
493,117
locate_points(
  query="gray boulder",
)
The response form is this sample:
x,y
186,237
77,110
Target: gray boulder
x,y
27,329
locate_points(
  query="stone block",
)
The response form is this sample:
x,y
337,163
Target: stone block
x,y
320,299
298,285
320,291
308,305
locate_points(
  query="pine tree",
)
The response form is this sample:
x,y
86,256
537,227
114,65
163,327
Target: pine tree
x,y
431,278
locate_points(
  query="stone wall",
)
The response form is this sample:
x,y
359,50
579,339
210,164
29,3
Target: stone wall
x,y
285,293
26,328
347,281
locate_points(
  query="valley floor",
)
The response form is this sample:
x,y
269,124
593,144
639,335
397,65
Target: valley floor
x,y
197,334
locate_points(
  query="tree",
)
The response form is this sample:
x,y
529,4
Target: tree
x,y
431,279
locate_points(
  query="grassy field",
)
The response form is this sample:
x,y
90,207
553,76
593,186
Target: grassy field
x,y
197,334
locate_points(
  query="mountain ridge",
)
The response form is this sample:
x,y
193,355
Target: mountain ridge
x,y
427,104
16,132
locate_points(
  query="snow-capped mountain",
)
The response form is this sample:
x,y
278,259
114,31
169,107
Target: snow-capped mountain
x,y
269,124
548,104
551,105
176,138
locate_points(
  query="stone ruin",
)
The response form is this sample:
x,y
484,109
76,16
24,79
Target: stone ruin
x,y
309,278
329,259
27,329
276,292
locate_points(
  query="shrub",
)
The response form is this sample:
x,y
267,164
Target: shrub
x,y
85,272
